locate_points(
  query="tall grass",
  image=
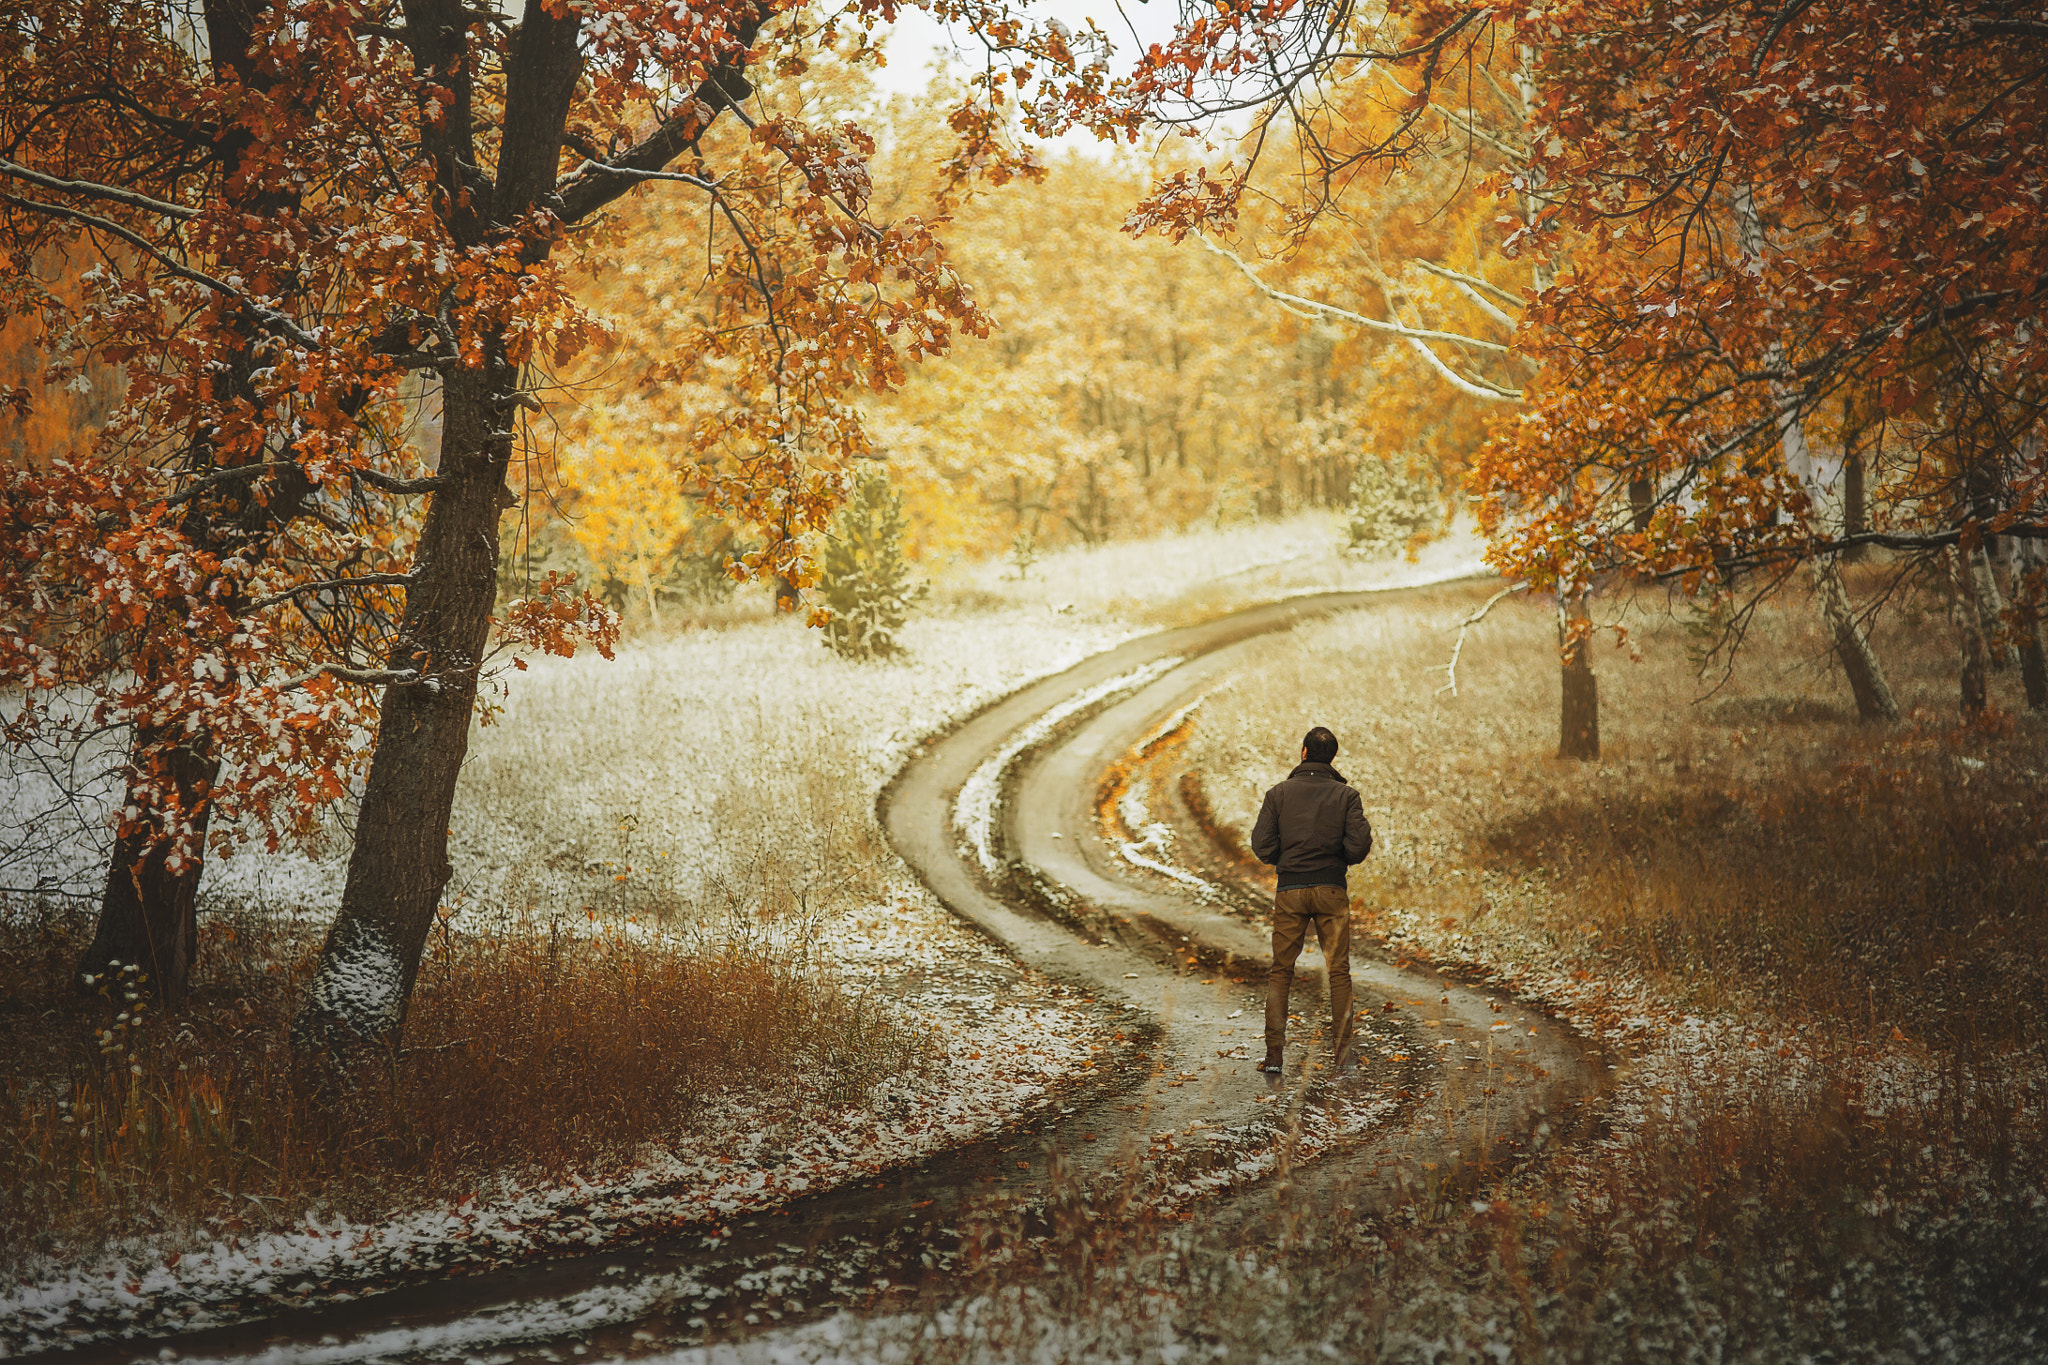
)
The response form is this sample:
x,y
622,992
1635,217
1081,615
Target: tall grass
x,y
1847,1156
532,1049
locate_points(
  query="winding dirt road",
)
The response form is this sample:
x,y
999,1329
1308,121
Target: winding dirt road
x,y
1020,820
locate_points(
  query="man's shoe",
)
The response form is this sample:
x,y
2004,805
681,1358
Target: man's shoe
x,y
1272,1065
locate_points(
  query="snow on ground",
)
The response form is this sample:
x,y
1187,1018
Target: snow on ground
x,y
1250,562
976,809
994,1054
680,781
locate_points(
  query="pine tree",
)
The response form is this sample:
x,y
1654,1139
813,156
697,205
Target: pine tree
x,y
866,582
1389,507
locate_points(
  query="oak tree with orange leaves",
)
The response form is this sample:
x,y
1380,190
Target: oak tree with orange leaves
x,y
1804,306
291,221
1786,269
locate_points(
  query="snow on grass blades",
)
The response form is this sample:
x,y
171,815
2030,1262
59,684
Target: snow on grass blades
x,y
975,810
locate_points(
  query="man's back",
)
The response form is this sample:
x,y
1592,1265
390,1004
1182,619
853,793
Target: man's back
x,y
1311,827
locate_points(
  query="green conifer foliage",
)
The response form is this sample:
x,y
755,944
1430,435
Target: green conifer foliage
x,y
865,581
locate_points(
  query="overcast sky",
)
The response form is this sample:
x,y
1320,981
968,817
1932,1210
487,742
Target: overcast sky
x,y
919,39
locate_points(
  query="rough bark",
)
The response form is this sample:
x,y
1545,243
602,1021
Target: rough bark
x,y
1855,502
356,1005
148,913
1579,709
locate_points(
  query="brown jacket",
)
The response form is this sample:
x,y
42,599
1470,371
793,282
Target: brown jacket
x,y
1312,827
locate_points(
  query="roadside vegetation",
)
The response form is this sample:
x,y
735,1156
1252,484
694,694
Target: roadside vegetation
x,y
540,1048
1815,947
667,865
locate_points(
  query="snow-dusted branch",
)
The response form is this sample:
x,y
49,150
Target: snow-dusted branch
x,y
368,677
368,580
1300,306
1416,337
1477,388
392,483
268,317
594,167
88,189
1472,619
1469,286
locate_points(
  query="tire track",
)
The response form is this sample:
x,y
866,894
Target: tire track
x,y
1179,966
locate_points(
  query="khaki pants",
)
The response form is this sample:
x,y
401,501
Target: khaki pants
x,y
1328,908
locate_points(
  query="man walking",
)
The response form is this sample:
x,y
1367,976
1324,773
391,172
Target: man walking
x,y
1311,828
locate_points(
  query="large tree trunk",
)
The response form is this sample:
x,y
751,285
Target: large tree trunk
x,y
148,914
355,1008
1579,709
356,1005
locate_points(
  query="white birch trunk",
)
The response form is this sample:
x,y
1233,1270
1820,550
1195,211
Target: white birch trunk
x,y
1991,604
1820,477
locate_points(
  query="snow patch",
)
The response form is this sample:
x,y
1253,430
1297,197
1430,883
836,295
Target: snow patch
x,y
362,980
975,810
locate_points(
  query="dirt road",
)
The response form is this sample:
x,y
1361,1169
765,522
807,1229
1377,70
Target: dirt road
x,y
1008,819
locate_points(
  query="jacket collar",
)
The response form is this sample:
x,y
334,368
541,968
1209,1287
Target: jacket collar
x,y
1313,769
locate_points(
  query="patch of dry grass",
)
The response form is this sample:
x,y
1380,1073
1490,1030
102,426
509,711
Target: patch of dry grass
x,y
1850,1150
532,1048
1743,840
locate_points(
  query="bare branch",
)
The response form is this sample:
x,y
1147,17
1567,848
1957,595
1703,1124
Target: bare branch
x,y
92,190
1302,306
1472,619
367,677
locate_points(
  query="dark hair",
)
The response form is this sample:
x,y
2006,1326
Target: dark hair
x,y
1320,744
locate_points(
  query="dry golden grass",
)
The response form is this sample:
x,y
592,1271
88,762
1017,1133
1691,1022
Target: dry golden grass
x,y
1859,1155
532,1049
1743,840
